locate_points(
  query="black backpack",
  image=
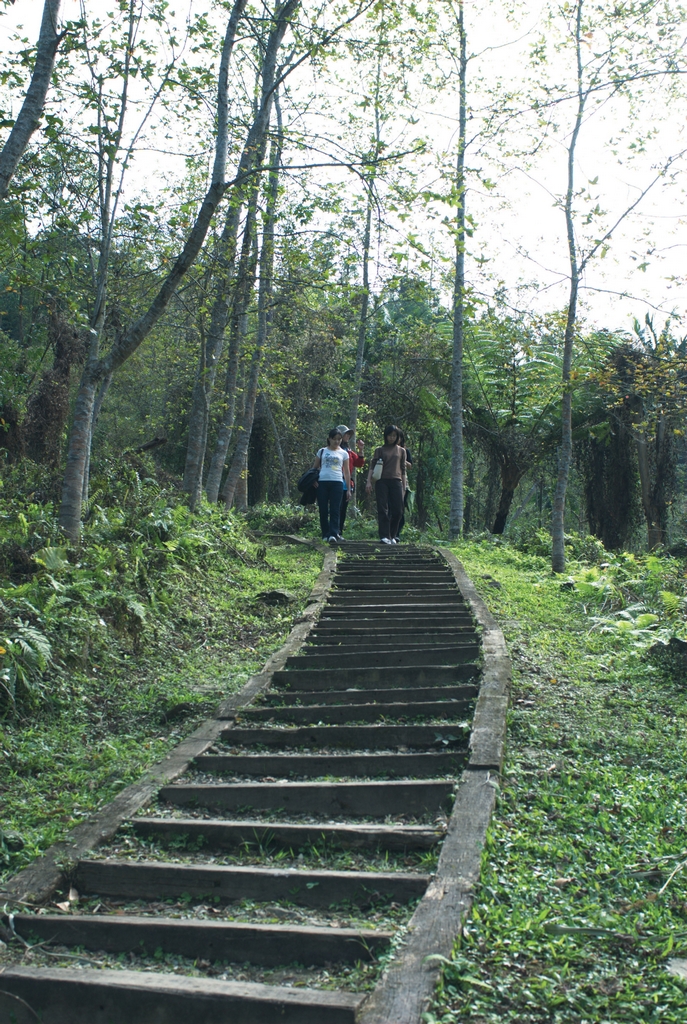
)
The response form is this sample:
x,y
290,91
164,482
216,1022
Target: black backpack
x,y
306,484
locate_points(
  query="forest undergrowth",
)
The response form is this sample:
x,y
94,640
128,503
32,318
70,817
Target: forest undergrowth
x,y
112,651
581,912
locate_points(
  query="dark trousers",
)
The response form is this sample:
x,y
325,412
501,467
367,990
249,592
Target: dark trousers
x,y
329,493
389,494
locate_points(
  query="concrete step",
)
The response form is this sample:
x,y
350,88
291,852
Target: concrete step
x,y
266,944
425,765
387,696
353,737
156,880
227,835
354,799
304,675
63,996
455,654
338,715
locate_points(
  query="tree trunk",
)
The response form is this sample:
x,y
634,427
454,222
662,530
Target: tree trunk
x,y
653,485
129,340
29,116
524,503
97,408
565,451
241,492
259,454
372,161
469,502
241,298
510,478
362,321
227,282
457,447
264,302
283,471
47,410
226,427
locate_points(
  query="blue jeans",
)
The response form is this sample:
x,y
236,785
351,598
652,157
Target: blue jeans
x,y
329,495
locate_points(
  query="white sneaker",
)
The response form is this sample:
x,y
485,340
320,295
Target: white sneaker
x,y
385,540
393,540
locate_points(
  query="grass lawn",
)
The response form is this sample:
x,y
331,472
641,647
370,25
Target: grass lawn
x,y
107,716
578,917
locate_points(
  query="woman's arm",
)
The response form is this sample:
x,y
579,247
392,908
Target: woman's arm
x,y
347,477
373,462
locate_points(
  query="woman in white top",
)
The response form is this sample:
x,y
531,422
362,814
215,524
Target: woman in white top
x,y
333,465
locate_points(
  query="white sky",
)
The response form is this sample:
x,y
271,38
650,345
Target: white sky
x,y
519,231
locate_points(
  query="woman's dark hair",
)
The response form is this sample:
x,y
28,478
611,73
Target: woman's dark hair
x,y
333,433
401,439
391,430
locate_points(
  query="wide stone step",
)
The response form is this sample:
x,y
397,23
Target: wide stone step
x,y
411,626
386,696
333,715
399,587
439,615
397,766
227,835
355,737
381,644
304,675
265,944
354,799
456,654
63,996
390,632
154,880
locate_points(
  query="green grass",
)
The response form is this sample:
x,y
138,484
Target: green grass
x,y
118,691
590,823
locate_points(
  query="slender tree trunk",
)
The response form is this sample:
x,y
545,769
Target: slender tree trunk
x,y
510,478
245,426
362,321
29,116
230,291
97,408
373,158
241,492
457,446
283,472
652,485
264,302
210,353
226,427
565,452
129,340
243,293
523,504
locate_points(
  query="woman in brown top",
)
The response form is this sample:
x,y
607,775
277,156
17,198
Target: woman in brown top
x,y
389,490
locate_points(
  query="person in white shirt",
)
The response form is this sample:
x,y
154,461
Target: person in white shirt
x,y
334,468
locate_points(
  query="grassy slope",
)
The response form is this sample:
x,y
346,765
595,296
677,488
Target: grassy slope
x,y
132,699
593,798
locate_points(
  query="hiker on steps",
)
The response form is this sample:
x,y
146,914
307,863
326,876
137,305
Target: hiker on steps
x,y
390,484
406,491
333,465
356,460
